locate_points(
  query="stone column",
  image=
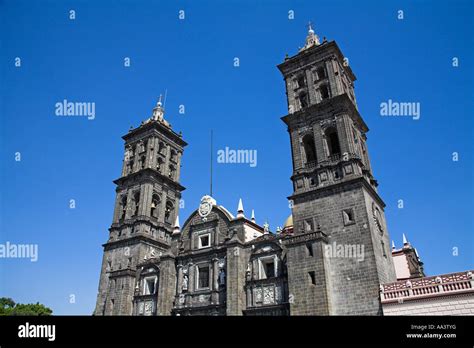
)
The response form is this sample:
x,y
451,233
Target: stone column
x,y
117,209
275,260
191,282
146,191
249,297
296,150
346,139
179,289
215,277
125,162
333,90
161,211
237,258
318,136
178,166
149,153
129,209
167,160
311,92
167,285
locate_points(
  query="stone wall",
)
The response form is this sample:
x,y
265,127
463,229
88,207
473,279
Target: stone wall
x,y
448,305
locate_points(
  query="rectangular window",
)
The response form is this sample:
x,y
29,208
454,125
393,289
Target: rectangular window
x,y
149,286
267,268
204,241
303,100
270,269
312,278
321,73
348,217
383,249
203,276
308,225
309,248
300,82
324,92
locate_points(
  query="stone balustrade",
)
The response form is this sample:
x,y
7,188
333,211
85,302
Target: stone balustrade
x,y
417,288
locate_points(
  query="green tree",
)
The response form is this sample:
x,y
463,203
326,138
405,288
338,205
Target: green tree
x,y
9,307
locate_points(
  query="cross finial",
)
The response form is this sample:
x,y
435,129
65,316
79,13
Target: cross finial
x,y
311,39
158,111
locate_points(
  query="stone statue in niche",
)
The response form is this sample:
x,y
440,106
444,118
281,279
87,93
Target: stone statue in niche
x,y
185,283
222,277
222,262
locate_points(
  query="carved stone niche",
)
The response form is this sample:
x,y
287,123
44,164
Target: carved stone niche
x,y
348,169
323,176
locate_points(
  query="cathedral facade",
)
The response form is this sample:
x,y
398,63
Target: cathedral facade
x,y
219,263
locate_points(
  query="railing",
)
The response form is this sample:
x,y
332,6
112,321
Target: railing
x,y
446,284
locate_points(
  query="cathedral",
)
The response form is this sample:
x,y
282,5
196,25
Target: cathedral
x,y
220,263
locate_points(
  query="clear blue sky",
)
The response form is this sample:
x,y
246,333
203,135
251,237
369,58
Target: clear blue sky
x,y
82,60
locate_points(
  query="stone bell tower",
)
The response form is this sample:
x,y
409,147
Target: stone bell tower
x,y
146,207
339,251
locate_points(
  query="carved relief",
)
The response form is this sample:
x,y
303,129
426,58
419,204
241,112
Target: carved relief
x,y
329,122
268,295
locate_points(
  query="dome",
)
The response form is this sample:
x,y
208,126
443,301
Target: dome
x,y
288,222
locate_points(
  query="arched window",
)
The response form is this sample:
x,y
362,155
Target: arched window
x,y
324,92
155,203
332,141
300,81
309,148
321,73
136,201
168,212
